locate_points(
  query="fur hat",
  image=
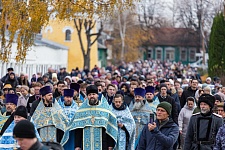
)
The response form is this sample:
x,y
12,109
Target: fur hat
x,y
92,89
208,99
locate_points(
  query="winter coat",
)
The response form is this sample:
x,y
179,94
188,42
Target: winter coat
x,y
161,138
187,93
183,119
23,82
177,100
202,130
12,82
220,139
37,146
174,113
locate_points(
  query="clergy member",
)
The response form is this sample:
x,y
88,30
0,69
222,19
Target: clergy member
x,y
125,122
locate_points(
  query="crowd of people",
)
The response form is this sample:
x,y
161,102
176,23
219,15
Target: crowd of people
x,y
145,105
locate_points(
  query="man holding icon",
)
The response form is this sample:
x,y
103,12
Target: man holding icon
x,y
161,134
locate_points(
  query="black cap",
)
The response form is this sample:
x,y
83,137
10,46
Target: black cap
x,y
21,111
92,89
24,129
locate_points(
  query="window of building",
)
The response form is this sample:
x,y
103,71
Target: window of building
x,y
192,52
183,54
169,54
150,53
68,35
159,53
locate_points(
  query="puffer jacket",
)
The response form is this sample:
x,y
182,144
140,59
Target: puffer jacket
x,y
161,138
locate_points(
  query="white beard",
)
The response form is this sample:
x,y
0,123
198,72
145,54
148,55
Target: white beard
x,y
138,105
204,111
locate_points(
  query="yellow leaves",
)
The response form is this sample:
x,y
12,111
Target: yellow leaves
x,y
21,20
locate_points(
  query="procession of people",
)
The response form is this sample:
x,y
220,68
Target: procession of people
x,y
146,105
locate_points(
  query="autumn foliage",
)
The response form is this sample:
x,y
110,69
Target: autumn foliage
x,y
134,39
21,20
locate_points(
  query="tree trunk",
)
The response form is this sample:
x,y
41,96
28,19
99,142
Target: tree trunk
x,y
87,60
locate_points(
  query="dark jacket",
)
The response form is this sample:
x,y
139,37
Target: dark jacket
x,y
128,99
23,82
56,93
187,93
37,146
161,138
177,101
3,79
109,99
12,82
174,113
34,106
202,130
30,102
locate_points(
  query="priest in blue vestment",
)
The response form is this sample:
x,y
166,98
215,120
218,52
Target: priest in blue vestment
x,y
140,111
94,124
49,118
69,107
151,99
126,124
7,141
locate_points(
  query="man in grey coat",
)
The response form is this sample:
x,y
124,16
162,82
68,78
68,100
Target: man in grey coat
x,y
203,126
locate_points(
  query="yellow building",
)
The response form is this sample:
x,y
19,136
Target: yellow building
x,y
65,33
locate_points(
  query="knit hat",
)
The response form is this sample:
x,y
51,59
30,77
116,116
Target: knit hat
x,y
24,129
68,92
92,89
150,89
75,86
45,90
12,98
139,91
167,106
208,99
163,85
21,111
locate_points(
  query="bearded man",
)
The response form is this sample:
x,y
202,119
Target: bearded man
x,y
49,118
69,107
93,126
140,111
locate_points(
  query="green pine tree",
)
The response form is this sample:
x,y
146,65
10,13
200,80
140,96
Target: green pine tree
x,y
217,47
